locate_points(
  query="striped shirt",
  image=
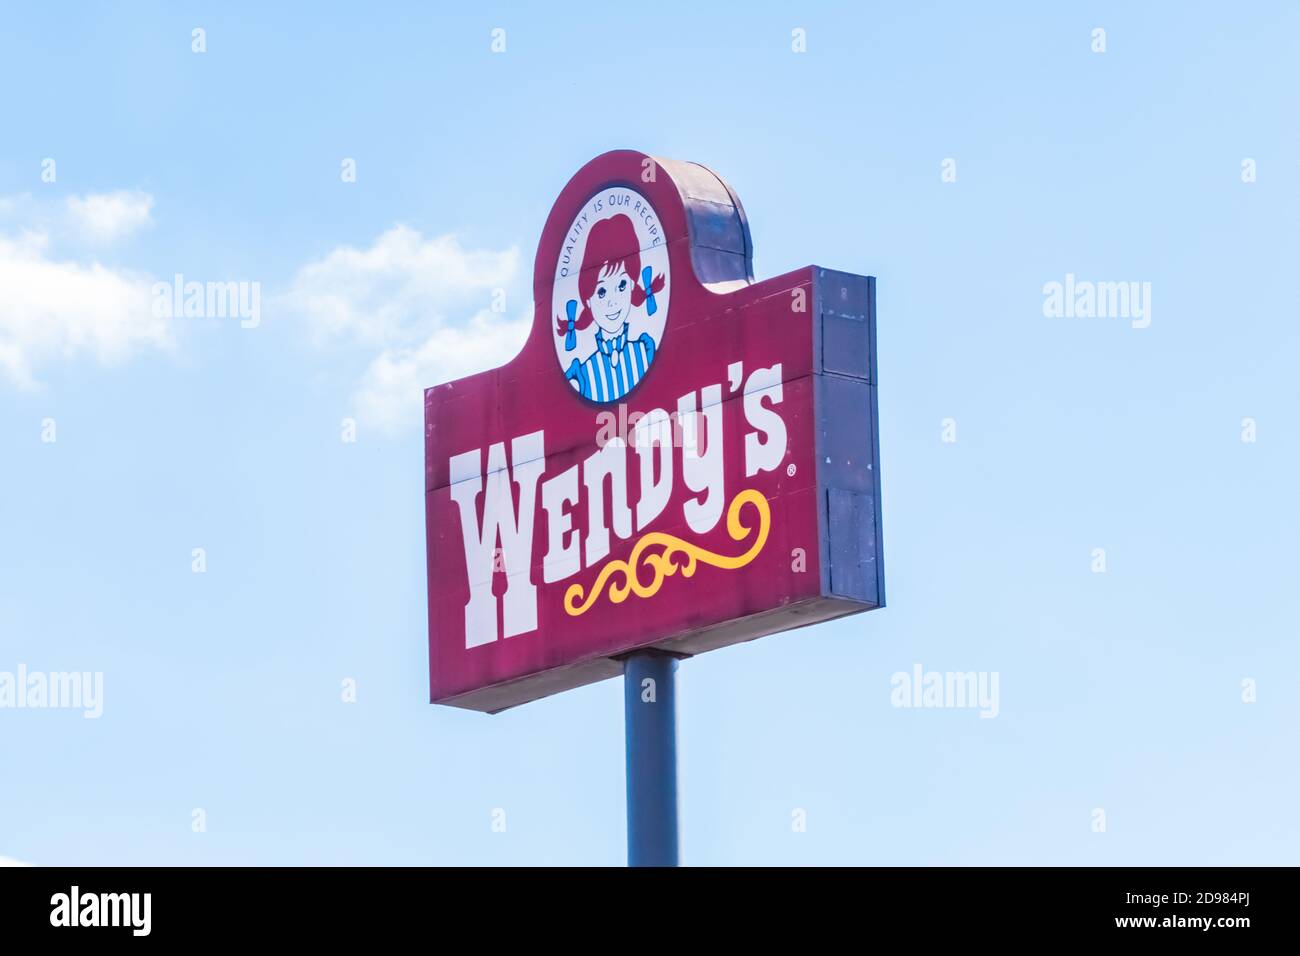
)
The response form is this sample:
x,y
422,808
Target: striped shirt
x,y
614,368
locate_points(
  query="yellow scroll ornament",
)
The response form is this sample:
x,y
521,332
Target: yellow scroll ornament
x,y
665,563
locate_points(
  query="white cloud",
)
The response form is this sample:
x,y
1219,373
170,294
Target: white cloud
x,y
54,309
104,217
401,288
424,304
5,861
391,393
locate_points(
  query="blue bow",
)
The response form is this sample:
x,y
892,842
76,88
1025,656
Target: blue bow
x,y
571,337
650,305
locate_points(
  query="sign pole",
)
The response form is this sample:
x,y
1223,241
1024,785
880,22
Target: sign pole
x,y
650,723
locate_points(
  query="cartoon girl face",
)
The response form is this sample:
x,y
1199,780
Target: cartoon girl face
x,y
610,296
612,284
611,302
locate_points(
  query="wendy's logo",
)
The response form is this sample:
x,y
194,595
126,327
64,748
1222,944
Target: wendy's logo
x,y
610,297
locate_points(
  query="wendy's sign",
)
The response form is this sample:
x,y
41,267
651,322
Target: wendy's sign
x,y
679,458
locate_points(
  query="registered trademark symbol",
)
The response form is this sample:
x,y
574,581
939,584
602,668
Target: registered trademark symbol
x,y
790,470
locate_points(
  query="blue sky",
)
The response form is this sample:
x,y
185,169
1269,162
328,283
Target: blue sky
x,y
1120,691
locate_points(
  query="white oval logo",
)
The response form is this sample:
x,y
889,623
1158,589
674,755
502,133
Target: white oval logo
x,y
610,295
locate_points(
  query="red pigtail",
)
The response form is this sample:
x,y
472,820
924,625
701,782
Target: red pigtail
x,y
562,323
639,294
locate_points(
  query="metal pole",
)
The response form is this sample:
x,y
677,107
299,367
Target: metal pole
x,y
650,723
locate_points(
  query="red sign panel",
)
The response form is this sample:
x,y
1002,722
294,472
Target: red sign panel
x,y
679,458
